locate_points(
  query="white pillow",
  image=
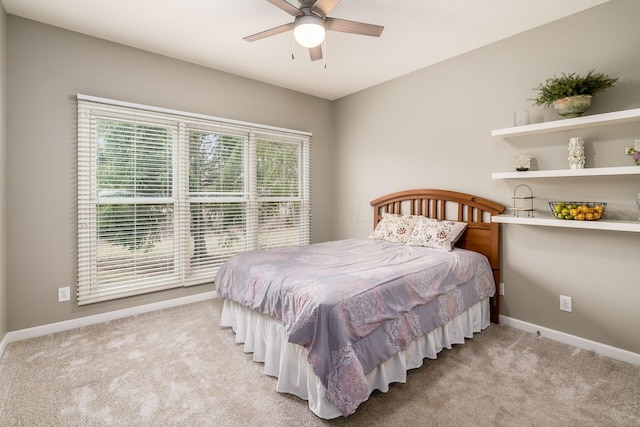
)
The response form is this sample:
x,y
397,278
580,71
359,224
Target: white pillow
x,y
394,228
436,234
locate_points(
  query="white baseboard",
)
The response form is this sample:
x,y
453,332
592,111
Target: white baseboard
x,y
39,331
585,344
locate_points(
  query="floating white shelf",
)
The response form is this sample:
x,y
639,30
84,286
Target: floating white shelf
x,y
613,118
623,170
603,224
616,117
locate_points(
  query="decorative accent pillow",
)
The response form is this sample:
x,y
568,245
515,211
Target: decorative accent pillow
x,y
394,228
436,234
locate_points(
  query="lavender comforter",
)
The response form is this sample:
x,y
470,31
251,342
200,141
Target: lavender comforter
x,y
354,303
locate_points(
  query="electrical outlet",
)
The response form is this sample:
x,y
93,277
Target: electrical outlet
x,y
64,294
501,290
565,303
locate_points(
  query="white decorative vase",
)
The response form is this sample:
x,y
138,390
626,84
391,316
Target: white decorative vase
x,y
576,153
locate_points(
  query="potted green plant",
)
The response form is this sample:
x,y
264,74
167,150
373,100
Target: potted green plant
x,y
570,94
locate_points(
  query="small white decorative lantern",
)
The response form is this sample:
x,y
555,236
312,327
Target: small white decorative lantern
x,y
523,200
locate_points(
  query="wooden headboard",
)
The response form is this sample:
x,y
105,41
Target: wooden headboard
x,y
481,234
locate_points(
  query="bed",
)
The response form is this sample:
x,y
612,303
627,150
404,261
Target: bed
x,y
335,321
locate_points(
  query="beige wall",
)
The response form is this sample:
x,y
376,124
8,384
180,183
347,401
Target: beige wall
x,y
46,67
431,129
3,92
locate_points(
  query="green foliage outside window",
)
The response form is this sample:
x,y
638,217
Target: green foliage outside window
x,y
133,161
136,160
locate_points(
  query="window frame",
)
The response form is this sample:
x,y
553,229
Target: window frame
x,y
181,123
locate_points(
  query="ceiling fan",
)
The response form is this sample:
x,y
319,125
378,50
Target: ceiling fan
x,y
311,22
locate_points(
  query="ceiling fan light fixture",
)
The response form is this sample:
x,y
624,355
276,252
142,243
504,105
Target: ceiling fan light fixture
x,y
309,30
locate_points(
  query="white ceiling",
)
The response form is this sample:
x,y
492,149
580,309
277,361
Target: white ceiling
x,y
417,33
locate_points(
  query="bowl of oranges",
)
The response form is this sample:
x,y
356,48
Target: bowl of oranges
x,y
578,211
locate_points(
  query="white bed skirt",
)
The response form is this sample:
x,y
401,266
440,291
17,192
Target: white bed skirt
x,y
266,339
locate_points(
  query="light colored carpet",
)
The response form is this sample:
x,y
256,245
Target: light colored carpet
x,y
178,367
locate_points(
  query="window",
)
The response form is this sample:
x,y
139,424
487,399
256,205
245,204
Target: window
x,y
165,197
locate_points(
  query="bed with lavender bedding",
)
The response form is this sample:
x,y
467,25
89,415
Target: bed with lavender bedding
x,y
336,320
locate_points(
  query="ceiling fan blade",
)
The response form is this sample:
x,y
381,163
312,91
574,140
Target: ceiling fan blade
x,y
324,7
270,32
286,6
352,27
315,52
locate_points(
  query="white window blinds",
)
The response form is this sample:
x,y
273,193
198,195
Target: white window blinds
x,y
165,197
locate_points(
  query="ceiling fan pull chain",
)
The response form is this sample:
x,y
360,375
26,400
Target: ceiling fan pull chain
x,y
324,48
293,46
